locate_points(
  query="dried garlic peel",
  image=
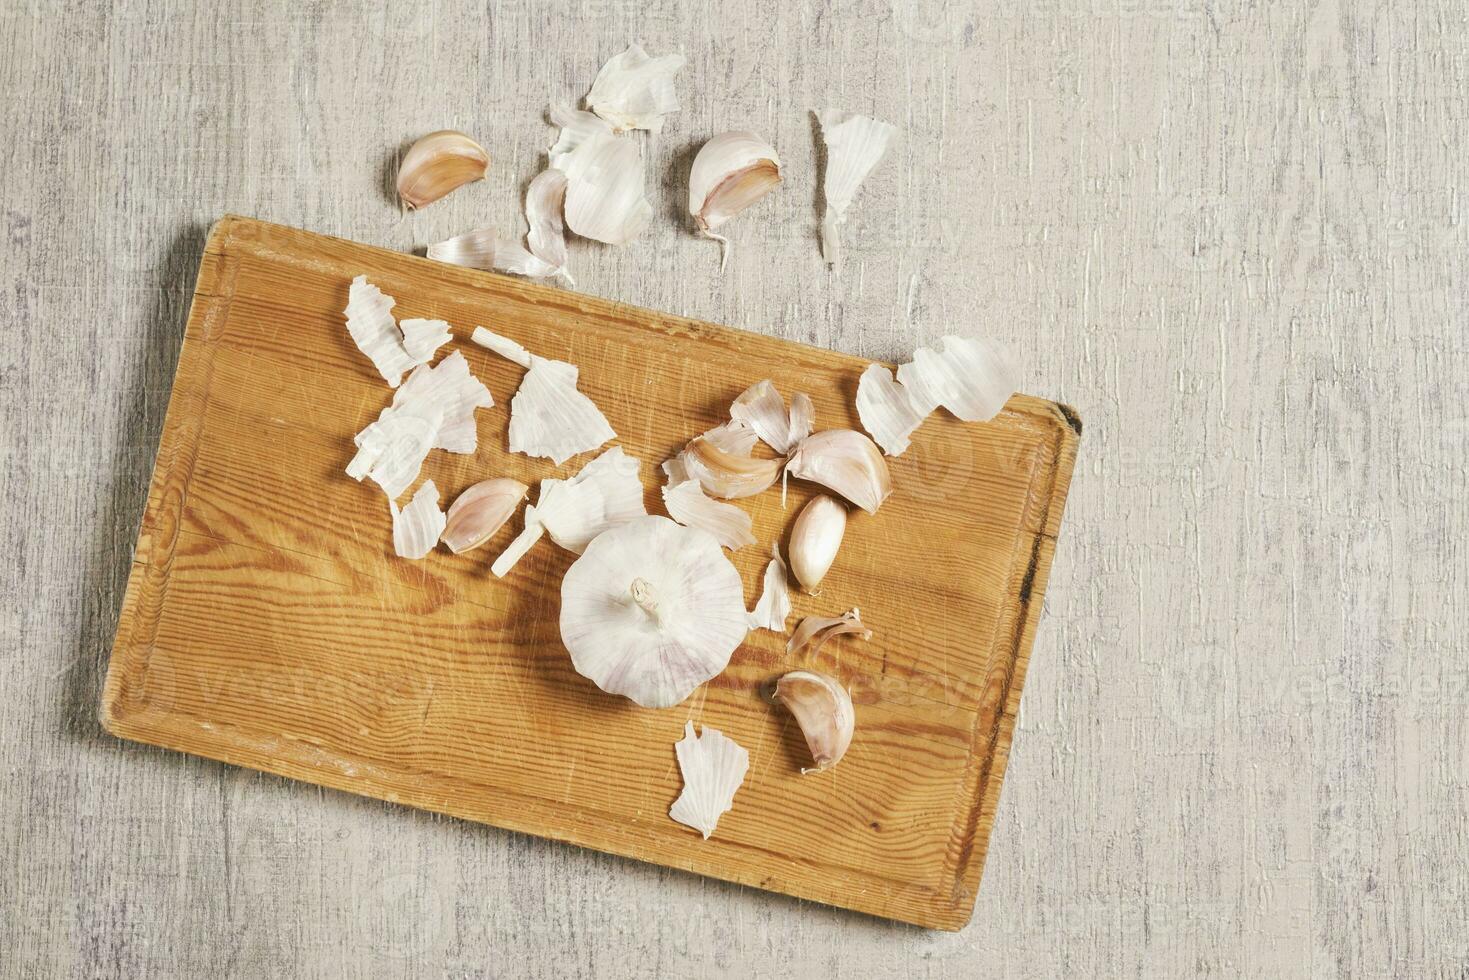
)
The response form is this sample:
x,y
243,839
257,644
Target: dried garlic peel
x,y
972,378
371,325
416,528
549,417
773,607
727,474
713,767
635,91
823,709
604,189
437,164
651,610
687,504
545,201
846,462
813,631
854,145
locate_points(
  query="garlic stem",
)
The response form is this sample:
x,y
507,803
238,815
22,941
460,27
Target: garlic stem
x,y
646,598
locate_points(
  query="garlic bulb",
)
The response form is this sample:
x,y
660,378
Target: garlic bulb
x,y
854,145
651,610
816,630
844,461
815,539
437,164
687,504
416,528
773,607
635,91
731,172
823,709
548,416
713,767
480,511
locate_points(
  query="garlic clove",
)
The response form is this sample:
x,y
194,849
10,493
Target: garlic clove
x,y
635,91
416,528
731,172
854,145
437,164
761,407
816,538
846,462
725,474
604,190
480,511
970,377
713,766
773,607
823,709
687,504
813,631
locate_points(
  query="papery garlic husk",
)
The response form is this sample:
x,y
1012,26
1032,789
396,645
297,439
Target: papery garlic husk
x,y
484,249
854,145
687,504
651,610
731,172
816,630
725,474
762,408
372,328
886,410
416,528
803,417
972,378
816,537
604,189
773,607
823,709
480,511
635,91
437,164
423,338
577,127
549,416
844,461
713,767
545,203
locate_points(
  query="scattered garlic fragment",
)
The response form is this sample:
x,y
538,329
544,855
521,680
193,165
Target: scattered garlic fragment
x,y
971,378
816,630
845,461
774,605
577,127
635,91
854,145
823,709
416,528
603,494
437,164
483,249
423,338
727,474
604,189
731,172
687,504
480,511
762,408
885,409
371,325
549,417
545,202
651,610
803,417
713,767
816,537
449,386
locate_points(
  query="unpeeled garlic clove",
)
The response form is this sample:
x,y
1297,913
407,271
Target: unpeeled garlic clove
x,y
816,538
844,461
728,475
823,709
480,511
437,164
731,172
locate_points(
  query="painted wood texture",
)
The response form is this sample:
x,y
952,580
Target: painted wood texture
x,y
267,622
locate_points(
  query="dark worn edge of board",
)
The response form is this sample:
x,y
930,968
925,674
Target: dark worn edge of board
x,y
126,712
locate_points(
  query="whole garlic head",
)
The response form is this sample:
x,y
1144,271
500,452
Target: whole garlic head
x,y
651,610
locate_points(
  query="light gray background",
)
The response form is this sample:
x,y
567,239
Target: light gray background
x,y
1229,232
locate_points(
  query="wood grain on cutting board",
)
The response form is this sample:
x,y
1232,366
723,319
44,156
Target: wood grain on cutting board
x,y
268,624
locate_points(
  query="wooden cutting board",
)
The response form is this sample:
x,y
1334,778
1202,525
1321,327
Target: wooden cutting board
x,y
267,622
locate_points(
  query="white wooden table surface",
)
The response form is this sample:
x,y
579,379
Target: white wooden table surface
x,y
1230,233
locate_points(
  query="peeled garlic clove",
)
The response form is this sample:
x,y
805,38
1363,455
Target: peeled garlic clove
x,y
816,630
854,145
416,528
437,164
823,709
846,462
635,91
731,172
480,511
725,474
816,538
713,767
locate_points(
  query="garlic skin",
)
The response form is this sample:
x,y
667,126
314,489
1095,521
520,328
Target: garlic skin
x,y
844,461
372,328
773,607
437,164
816,537
886,410
823,709
651,610
686,503
545,202
731,172
725,474
970,377
604,189
803,417
814,631
416,528
635,91
854,145
713,767
480,511
762,408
